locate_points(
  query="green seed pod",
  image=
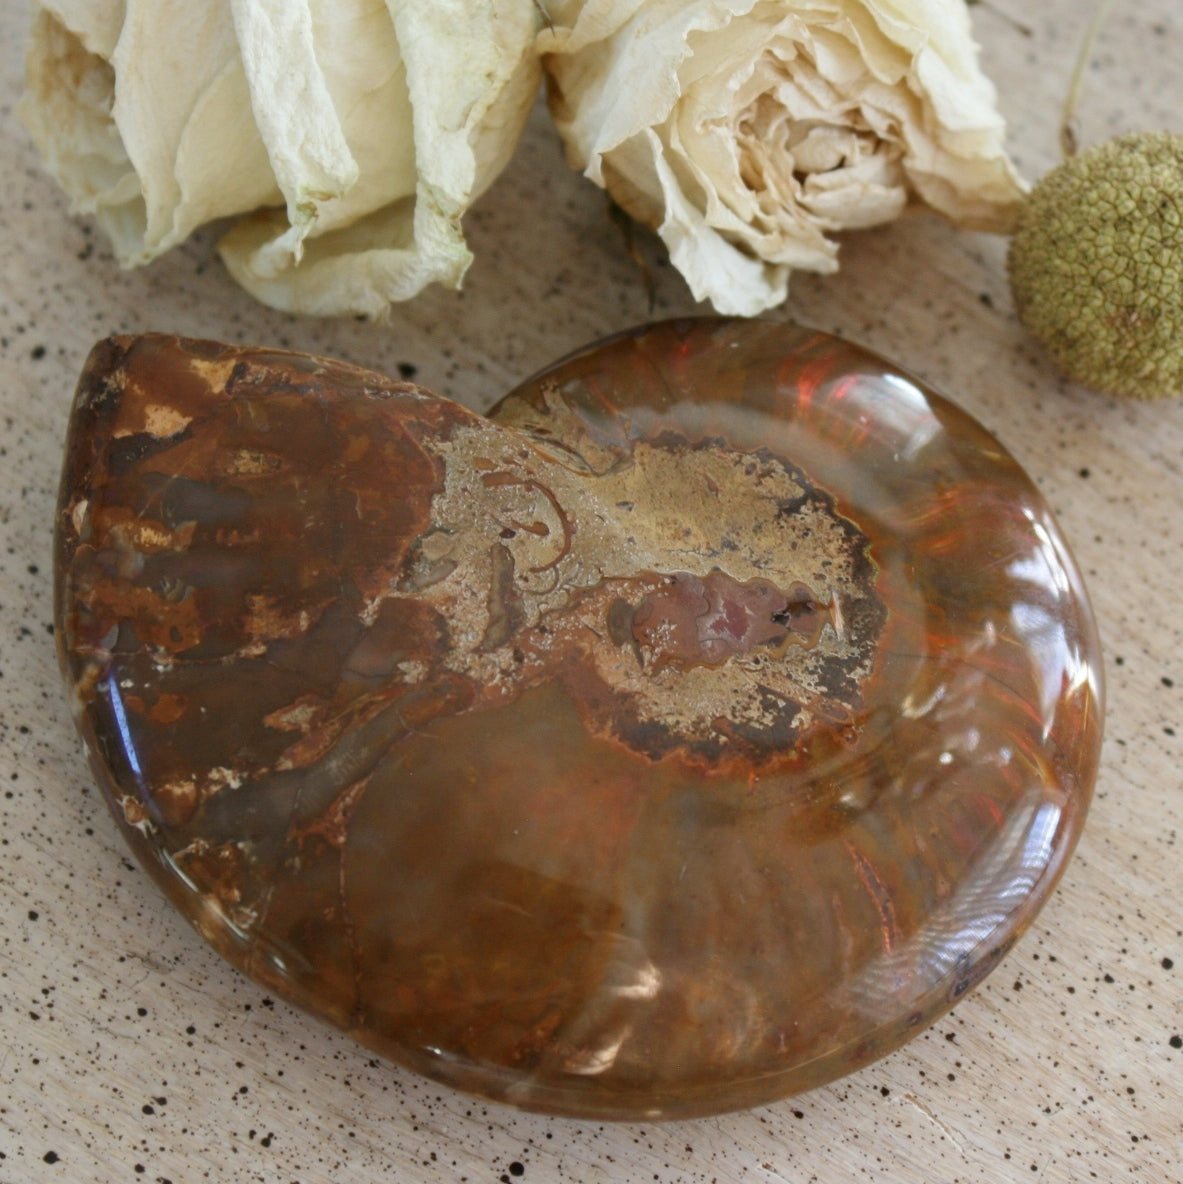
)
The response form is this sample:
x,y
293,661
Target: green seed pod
x,y
1096,265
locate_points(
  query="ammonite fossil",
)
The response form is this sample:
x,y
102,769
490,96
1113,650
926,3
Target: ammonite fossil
x,y
693,729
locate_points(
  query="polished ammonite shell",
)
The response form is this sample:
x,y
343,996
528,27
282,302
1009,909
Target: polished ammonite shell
x,y
693,729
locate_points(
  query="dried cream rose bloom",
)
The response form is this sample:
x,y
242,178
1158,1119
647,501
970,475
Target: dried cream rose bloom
x,y
746,131
353,134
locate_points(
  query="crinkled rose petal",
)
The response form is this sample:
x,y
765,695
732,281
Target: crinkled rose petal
x,y
67,108
312,117
121,109
361,267
738,284
467,75
776,124
295,113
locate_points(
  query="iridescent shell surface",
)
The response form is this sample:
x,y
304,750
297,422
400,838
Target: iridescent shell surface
x,y
692,730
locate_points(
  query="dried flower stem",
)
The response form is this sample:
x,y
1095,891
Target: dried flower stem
x,y
1069,141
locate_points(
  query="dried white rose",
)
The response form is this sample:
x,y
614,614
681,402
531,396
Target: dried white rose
x,y
747,131
352,134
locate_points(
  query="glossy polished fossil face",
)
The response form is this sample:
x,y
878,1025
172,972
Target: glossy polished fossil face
x,y
690,731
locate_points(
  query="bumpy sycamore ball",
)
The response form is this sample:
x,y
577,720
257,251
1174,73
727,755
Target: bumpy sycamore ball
x,y
1096,265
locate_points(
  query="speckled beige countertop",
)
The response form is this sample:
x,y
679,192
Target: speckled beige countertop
x,y
129,1051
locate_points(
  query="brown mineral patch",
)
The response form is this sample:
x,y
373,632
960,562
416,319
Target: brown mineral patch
x,y
707,587
297,717
167,709
252,462
177,800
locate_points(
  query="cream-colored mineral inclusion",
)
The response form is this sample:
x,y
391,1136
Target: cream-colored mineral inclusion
x,y
534,553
